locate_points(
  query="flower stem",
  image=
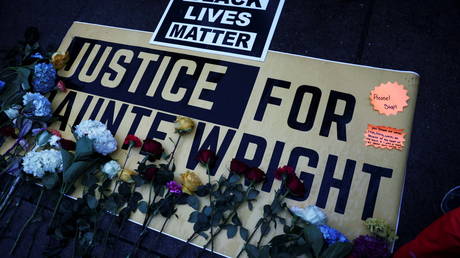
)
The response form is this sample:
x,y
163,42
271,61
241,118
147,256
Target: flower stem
x,y
58,204
174,151
127,155
18,238
9,193
250,237
231,214
212,208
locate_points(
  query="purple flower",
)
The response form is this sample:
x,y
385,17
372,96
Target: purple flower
x,y
174,187
44,78
2,85
369,246
332,235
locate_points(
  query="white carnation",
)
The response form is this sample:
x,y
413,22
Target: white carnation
x,y
54,141
310,214
39,162
103,140
111,168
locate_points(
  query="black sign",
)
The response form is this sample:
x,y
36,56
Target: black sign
x,y
241,28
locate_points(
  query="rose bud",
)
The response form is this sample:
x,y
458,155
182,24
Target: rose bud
x,y
55,132
59,60
255,175
238,167
149,173
184,125
207,158
126,175
61,86
152,149
284,171
296,186
132,140
190,182
67,144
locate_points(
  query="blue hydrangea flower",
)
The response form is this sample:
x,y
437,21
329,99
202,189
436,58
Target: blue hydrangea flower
x,y
37,55
2,85
332,235
36,105
44,79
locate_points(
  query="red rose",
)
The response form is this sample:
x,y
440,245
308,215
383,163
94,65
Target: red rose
x,y
134,140
152,148
256,175
67,144
55,132
7,131
295,186
150,173
286,170
207,157
238,167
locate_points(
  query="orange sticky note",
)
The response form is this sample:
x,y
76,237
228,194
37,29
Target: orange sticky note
x,y
389,98
384,137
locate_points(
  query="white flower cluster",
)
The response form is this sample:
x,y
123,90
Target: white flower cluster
x,y
39,162
111,168
54,141
103,140
310,214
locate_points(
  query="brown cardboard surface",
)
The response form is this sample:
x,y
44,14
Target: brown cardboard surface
x,y
328,76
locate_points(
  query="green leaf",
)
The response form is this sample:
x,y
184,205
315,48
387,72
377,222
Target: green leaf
x,y
244,233
67,159
250,206
43,138
143,207
138,180
49,180
207,211
23,77
124,189
234,178
84,148
91,201
193,202
314,237
231,231
193,217
252,251
111,206
236,220
265,228
337,250
252,195
75,170
89,180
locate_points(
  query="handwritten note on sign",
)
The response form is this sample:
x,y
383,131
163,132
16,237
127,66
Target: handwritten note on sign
x,y
384,137
389,98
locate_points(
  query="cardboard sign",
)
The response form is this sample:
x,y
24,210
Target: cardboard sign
x,y
242,28
289,110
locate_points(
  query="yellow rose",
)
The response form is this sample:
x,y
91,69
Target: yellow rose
x,y
190,182
184,125
125,175
59,60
